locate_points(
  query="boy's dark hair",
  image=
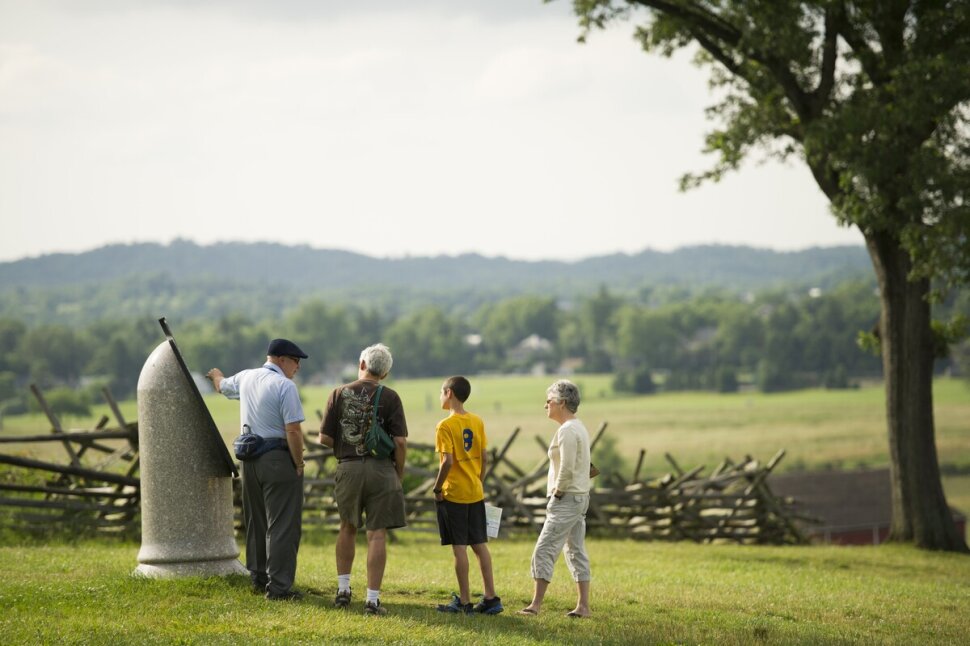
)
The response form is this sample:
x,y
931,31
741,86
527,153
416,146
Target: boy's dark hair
x,y
459,386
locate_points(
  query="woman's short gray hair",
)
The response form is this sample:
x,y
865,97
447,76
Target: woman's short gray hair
x,y
566,392
378,359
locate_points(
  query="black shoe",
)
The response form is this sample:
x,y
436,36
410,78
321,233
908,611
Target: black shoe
x,y
289,595
342,600
491,606
375,608
258,587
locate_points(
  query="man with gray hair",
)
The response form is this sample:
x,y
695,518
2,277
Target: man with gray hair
x,y
366,484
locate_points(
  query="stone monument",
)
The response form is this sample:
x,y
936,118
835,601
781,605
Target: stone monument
x,y
186,475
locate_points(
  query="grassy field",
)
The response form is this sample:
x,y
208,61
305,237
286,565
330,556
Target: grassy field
x,y
819,429
642,593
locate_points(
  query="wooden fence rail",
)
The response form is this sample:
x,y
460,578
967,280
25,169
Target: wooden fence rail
x,y
97,491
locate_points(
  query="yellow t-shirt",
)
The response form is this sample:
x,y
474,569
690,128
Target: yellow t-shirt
x,y
464,437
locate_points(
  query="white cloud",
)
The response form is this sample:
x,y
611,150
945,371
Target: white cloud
x,y
431,130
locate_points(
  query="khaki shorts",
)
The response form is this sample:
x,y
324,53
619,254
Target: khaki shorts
x,y
369,486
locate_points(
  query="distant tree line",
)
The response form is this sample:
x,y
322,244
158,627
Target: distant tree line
x,y
670,340
184,280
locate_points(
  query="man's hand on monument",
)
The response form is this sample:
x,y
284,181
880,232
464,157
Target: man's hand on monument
x,y
215,376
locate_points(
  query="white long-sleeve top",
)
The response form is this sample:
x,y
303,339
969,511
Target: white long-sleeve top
x,y
569,459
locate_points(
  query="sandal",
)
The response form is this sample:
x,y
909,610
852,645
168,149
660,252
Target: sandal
x,y
528,612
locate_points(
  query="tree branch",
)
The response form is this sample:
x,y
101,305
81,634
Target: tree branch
x,y
889,21
826,82
720,55
696,15
827,180
708,28
869,60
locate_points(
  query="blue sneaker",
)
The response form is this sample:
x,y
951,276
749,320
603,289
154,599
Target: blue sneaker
x,y
456,606
491,606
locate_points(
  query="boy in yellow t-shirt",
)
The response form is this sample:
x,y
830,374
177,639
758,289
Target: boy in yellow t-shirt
x,y
459,496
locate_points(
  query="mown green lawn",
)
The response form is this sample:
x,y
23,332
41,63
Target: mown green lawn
x,y
643,593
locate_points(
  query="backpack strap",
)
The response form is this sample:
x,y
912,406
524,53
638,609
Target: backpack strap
x,y
377,398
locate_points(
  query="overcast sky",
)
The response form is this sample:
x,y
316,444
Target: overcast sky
x,y
392,128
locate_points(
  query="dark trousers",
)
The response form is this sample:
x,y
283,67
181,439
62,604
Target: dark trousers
x,y
272,497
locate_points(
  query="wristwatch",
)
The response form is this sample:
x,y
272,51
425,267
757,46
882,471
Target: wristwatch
x,y
436,491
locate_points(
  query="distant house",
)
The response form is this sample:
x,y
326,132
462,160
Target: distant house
x,y
532,351
853,507
532,344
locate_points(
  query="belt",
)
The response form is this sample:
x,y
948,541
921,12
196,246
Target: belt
x,y
361,458
276,443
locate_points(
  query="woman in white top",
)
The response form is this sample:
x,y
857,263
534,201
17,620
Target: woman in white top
x,y
568,491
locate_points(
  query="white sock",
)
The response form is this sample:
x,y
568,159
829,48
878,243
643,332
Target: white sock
x,y
373,596
343,583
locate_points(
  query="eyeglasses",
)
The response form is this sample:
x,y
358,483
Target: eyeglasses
x,y
551,401
295,360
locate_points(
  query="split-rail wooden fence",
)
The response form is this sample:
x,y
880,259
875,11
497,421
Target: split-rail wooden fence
x,y
97,491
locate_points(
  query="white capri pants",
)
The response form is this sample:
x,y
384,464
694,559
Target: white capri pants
x,y
564,530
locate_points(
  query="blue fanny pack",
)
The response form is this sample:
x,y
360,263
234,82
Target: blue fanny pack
x,y
249,446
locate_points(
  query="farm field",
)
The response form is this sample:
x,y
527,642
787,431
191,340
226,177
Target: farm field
x,y
819,429
642,593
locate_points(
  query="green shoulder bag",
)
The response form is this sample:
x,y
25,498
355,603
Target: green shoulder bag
x,y
376,441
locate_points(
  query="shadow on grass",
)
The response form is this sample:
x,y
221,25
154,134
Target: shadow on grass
x,y
552,626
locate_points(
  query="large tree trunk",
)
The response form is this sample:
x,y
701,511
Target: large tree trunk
x,y
920,513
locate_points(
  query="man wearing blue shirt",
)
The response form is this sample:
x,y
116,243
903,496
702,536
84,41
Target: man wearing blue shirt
x,y
272,492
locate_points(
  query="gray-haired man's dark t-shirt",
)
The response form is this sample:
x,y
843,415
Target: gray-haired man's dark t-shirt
x,y
348,416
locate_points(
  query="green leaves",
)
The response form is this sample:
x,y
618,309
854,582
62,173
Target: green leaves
x,y
873,96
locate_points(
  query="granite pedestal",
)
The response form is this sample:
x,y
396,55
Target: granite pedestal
x,y
186,485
